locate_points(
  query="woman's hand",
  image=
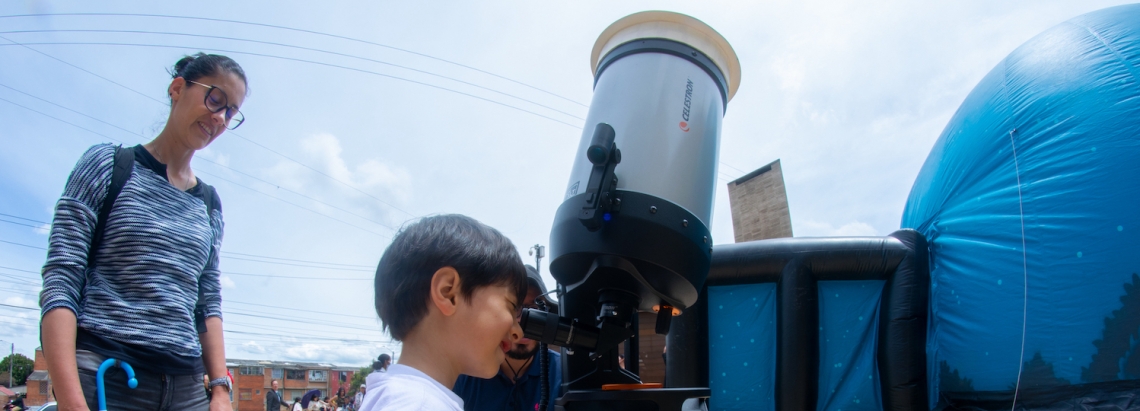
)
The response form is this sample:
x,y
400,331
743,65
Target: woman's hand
x,y
220,399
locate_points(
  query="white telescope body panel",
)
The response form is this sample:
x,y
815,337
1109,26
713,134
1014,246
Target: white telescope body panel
x,y
666,112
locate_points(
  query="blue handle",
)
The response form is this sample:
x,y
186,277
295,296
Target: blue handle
x,y
110,362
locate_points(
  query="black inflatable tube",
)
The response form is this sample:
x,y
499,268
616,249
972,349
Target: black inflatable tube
x,y
797,338
797,265
903,317
839,258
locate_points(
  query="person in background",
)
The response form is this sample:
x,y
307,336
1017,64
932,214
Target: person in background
x,y
134,275
273,400
382,363
359,397
296,404
517,387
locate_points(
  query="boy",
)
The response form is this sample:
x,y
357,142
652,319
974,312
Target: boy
x,y
450,289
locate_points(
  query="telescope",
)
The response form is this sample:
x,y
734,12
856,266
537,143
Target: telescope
x,y
632,234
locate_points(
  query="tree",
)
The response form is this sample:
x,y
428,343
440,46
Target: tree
x,y
1038,373
21,368
358,379
1120,330
951,381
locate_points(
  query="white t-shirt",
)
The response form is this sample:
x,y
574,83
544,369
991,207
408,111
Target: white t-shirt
x,y
406,388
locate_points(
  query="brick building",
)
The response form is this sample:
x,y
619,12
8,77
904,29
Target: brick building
x,y
759,204
39,384
252,379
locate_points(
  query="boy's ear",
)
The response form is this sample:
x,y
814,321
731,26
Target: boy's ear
x,y
445,285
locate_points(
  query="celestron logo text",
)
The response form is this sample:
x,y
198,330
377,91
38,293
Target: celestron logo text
x,y
688,104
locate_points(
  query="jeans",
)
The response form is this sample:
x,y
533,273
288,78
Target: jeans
x,y
156,392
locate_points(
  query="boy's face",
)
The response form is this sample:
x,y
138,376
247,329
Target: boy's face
x,y
489,329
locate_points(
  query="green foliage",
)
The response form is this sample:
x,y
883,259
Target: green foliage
x,y
950,381
1120,330
358,379
21,368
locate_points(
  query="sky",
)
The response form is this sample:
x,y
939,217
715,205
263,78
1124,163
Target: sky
x,y
365,115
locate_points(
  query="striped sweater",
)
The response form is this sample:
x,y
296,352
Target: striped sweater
x,y
157,264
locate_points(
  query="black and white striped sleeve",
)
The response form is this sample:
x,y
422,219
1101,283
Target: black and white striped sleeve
x,y
72,228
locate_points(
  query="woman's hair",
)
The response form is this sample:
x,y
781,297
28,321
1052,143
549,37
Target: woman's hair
x,y
200,65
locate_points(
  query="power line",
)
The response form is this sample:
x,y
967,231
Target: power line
x,y
22,218
299,60
23,245
310,337
369,268
742,172
22,281
17,269
298,194
20,307
21,224
300,31
231,182
328,324
298,265
238,39
300,261
294,204
298,309
201,158
85,71
303,320
166,104
298,278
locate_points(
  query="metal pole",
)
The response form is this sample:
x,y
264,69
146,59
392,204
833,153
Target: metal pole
x,y
11,359
539,251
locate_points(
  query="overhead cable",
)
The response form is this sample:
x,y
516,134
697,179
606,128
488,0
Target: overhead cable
x,y
337,36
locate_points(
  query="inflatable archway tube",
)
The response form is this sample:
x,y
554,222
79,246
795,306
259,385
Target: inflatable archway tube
x,y
894,351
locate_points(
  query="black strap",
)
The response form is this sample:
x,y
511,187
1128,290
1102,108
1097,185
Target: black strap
x,y
124,163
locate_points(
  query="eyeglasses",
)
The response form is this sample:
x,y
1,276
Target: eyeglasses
x,y
216,100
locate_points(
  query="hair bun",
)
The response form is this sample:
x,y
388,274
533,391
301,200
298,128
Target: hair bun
x,y
180,66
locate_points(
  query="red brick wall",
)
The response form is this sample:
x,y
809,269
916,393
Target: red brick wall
x,y
34,389
335,384
41,362
34,396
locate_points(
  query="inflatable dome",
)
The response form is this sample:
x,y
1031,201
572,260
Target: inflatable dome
x,y
1030,201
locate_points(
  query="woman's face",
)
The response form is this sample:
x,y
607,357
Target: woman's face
x,y
190,119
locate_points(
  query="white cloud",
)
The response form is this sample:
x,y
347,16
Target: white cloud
x,y
253,347
20,301
812,228
374,179
228,282
42,229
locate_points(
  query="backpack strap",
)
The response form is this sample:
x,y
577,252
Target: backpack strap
x,y
124,163
208,194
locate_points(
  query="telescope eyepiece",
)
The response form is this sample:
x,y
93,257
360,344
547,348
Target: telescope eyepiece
x,y
551,329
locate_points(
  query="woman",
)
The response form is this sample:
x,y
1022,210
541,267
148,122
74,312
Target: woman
x,y
146,290
297,404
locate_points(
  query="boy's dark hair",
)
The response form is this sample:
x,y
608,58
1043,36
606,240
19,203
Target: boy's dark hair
x,y
482,256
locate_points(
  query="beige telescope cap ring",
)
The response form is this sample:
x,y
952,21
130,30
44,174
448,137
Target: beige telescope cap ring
x,y
672,26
